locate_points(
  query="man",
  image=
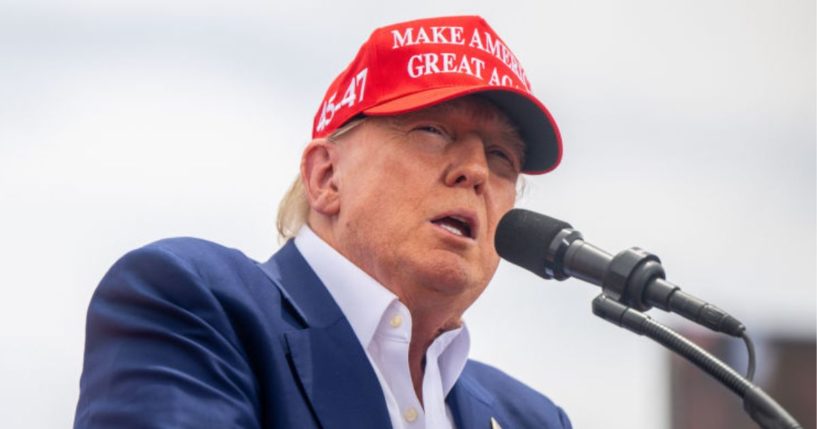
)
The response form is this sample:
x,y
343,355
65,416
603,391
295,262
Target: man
x,y
356,322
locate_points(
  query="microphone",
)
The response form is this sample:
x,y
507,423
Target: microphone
x,y
552,249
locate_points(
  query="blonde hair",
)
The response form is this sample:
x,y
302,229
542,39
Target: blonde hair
x,y
293,209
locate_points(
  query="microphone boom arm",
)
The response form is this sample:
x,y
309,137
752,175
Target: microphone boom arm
x,y
759,405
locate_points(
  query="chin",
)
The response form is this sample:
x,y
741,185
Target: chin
x,y
452,276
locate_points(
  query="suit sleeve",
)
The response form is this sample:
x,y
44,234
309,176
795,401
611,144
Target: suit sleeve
x,y
564,420
160,350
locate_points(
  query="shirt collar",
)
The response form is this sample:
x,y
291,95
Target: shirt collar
x,y
360,297
366,304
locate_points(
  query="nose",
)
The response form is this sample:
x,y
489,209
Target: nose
x,y
468,167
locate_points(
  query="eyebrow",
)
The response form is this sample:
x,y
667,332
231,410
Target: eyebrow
x,y
509,132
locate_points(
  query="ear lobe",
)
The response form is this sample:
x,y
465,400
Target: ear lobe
x,y
319,177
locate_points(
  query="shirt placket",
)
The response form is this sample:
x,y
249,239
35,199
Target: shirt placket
x,y
394,336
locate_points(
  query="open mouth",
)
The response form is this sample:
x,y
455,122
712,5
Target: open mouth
x,y
457,225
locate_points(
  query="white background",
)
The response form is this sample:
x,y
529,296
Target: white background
x,y
689,130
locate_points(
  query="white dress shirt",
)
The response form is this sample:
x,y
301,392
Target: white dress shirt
x,y
382,324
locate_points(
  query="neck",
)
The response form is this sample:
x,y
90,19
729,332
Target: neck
x,y
425,327
430,315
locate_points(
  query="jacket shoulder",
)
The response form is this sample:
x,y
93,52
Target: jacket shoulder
x,y
191,251
172,327
211,265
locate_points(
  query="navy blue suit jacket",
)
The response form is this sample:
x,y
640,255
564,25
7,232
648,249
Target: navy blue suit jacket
x,y
184,333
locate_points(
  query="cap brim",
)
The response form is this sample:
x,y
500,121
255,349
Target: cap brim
x,y
543,143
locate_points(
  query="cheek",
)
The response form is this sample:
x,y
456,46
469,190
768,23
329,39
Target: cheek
x,y
502,200
379,204
500,203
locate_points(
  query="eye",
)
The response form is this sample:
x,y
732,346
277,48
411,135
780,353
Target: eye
x,y
431,134
503,155
499,153
433,129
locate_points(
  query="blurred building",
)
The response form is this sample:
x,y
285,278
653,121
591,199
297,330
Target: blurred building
x,y
785,370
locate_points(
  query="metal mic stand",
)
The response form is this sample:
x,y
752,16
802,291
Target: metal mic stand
x,y
760,406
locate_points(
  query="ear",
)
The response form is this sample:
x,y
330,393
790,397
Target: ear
x,y
318,173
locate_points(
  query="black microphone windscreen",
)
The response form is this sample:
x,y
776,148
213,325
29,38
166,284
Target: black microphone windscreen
x,y
523,238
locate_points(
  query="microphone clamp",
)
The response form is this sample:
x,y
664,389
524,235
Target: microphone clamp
x,y
553,265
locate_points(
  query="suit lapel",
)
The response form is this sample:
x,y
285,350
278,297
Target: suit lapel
x,y
329,361
337,377
470,404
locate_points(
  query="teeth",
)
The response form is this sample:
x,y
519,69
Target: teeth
x,y
451,229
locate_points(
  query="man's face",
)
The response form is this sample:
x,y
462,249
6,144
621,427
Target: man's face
x,y
421,194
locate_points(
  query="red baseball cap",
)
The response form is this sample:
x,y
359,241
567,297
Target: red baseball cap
x,y
416,64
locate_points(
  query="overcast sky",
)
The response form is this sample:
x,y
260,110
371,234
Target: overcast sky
x,y
689,130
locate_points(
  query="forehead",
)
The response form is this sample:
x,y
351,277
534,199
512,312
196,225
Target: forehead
x,y
470,111
473,111
471,107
